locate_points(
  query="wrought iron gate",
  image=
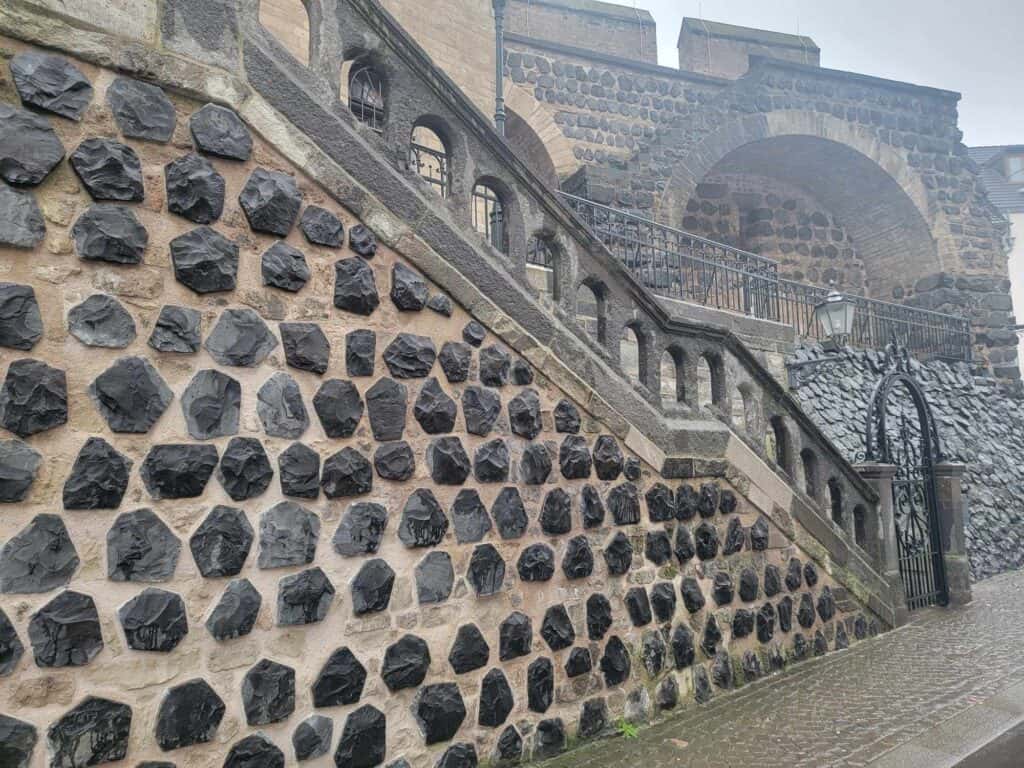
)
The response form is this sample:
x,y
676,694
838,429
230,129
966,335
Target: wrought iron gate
x,y
901,431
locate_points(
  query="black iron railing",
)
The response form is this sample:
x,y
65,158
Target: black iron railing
x,y
672,263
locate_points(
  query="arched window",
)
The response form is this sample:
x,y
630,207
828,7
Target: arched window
x,y
781,440
711,381
629,352
835,496
288,21
542,266
704,388
428,156
810,462
366,95
673,375
860,526
590,300
490,217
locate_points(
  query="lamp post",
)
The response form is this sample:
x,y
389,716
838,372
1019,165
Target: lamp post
x,y
835,317
499,65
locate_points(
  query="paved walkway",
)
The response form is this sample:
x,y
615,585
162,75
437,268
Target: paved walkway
x,y
926,694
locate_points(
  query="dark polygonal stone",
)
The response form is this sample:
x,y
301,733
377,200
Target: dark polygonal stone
x,y
842,639
424,523
360,347
303,598
658,547
51,83
687,501
794,575
683,651
536,563
727,502
288,535
785,609
638,606
11,648
810,574
772,581
21,221
549,739
766,622
195,190
111,233
708,502
805,613
474,333
567,417
721,670
509,513
244,470
775,659
693,597
557,629
130,395
652,653
98,479
409,356
29,148
706,541
591,507
221,543
481,408
666,695
298,469
624,504
434,578
280,408
439,711
268,692
469,651
109,170
141,110
751,666
509,748
522,373
434,409
599,616
661,505
21,324
495,364
455,358
712,637
140,547
759,534
321,227
469,517
17,742
340,408
578,561
578,663
240,337
154,620
574,458
346,473
615,663
355,288
94,732
524,414
362,241
178,470
363,741
361,529
211,403
820,644
305,346
540,685
340,681
405,663
255,751
176,330
66,631
386,402
284,267
441,304
742,622
270,201
748,585
535,464
826,604
631,469
618,554
734,537
205,261
218,131
486,570
515,636
447,461
236,611
312,737
38,558
800,647
189,714
556,512
723,589
663,600
701,685
684,549
593,718
461,755
496,700
408,289
394,461
34,398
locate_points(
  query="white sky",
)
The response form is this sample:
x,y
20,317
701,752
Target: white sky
x,y
976,48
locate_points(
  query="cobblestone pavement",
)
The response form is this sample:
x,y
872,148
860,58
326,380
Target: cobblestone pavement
x,y
848,708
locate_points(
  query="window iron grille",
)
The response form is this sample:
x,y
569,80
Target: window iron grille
x,y
489,216
366,97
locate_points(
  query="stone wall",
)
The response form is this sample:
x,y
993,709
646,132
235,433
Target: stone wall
x,y
265,483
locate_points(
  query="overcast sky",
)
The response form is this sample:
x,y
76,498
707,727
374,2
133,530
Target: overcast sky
x,y
976,48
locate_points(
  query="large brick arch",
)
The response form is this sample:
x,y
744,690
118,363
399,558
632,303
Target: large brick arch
x,y
539,117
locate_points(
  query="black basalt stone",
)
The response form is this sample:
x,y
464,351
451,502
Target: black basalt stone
x,y
235,613
759,534
591,507
469,517
515,636
154,620
51,83
657,547
321,227
706,541
748,585
486,570
805,612
599,616
110,233
540,685
140,547
99,477
624,504
474,333
723,590
578,663
11,648
254,751
434,578
280,408
652,652
742,622
101,321
195,190
800,647
810,574
522,373
785,610
772,581
441,304
461,755
405,663
362,240
661,505
826,604
701,685
66,631
410,356
29,147
340,408
346,473
509,513
765,622
615,663
240,337
638,606
189,714
270,201
708,502
666,695
567,417
727,502
721,670
455,358
574,458
593,718
130,395
21,221
268,692
211,404
549,739
734,537
21,324
618,554
491,462
557,629
371,587
305,347
177,330
794,575
663,600
288,535
284,267
535,464
712,637
820,644
363,741
684,549
218,131
434,409
495,365
386,402
578,561
244,470
355,289
842,639
447,461
481,408
687,501
631,469
751,666
394,461
34,398
340,680
556,512
178,470
360,347
39,558
423,523
141,110
408,289
109,170
693,596
496,700
536,563
469,651
205,261
361,529
298,468
96,731
304,598
524,414
683,652
439,711
312,737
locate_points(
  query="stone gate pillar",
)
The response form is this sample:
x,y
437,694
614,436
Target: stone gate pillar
x,y
881,533
950,503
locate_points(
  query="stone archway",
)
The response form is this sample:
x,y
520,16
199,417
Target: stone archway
x,y
533,132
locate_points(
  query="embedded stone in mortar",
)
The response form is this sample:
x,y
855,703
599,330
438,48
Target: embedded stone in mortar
x,y
496,700
305,346
615,663
321,227
491,462
515,636
270,201
355,288
304,598
254,750
280,408
235,613
154,620
410,356
34,398
109,170
439,711
574,458
11,650
363,740
765,622
38,558
21,324
394,461
346,473
661,505
578,561
486,570
599,616
244,470
362,241
99,477
536,563
218,131
66,631
268,692
178,470
423,523
141,110
481,408
607,458
434,409
591,507
495,363
298,469
524,414
222,542
578,663
683,651
211,403
52,83
360,348
340,680
312,737
469,651
29,147
140,547
474,333
194,189
96,731
624,504
19,464
447,461
469,517
130,395
618,554
557,629
434,578
240,337
405,663
386,402
567,417
205,261
190,713
340,408
284,267
638,606
288,535
177,329
408,289
663,600
371,587
21,221
509,513
455,358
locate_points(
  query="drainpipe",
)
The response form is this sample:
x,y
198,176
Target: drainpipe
x,y
499,65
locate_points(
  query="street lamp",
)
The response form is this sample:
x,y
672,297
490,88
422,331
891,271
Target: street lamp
x,y
835,316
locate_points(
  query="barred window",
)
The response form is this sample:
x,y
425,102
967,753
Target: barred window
x,y
366,96
489,217
428,156
541,265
